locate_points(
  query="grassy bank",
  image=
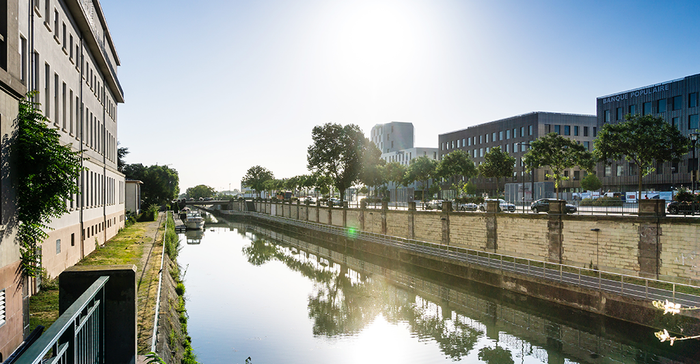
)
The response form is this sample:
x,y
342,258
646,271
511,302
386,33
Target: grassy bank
x,y
131,245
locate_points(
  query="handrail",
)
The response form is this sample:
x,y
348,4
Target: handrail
x,y
64,332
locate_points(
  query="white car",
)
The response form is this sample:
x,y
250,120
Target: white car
x,y
502,205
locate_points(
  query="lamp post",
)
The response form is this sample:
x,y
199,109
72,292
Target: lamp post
x,y
694,140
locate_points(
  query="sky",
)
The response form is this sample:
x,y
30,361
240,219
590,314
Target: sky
x,y
214,87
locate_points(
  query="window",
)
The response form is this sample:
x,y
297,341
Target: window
x,y
515,147
70,124
595,132
529,130
481,140
585,131
453,144
457,143
493,137
576,130
675,122
659,167
464,144
55,24
500,135
47,12
693,99
608,171
58,246
566,173
64,36
469,141
577,175
620,170
515,133
70,46
619,114
63,106
607,116
47,89
646,108
692,121
508,134
56,85
677,102
507,148
567,129
481,152
632,110
587,145
674,167
487,138
23,59
661,105
442,147
522,131
632,169
546,175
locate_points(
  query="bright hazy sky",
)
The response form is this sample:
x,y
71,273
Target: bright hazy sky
x,y
215,87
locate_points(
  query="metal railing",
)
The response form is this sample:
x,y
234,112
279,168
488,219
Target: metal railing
x,y
78,336
623,284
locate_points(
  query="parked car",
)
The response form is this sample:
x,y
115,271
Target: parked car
x,y
467,206
310,200
334,201
433,204
683,207
542,205
502,205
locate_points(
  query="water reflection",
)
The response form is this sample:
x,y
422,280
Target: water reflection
x,y
350,293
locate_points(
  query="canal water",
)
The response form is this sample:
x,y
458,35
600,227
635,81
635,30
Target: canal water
x,y
253,292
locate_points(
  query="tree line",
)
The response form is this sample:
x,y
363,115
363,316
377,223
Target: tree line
x,y
341,157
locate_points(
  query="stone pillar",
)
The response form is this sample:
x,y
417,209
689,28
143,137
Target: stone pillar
x,y
557,207
652,208
385,209
119,306
298,209
555,225
445,219
411,220
363,210
345,214
330,213
649,246
318,210
491,227
492,206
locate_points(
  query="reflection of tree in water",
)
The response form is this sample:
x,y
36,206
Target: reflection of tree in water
x,y
496,355
344,301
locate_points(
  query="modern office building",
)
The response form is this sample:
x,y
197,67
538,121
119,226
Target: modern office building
x,y
63,50
404,157
675,101
512,135
393,136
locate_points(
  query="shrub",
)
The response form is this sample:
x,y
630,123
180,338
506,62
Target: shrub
x,y
603,201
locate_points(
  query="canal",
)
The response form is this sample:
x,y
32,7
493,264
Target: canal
x,y
253,291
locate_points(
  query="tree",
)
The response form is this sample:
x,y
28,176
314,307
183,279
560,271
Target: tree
x,y
421,169
338,152
121,154
256,177
559,154
497,164
47,172
395,172
198,191
642,140
456,163
591,182
160,183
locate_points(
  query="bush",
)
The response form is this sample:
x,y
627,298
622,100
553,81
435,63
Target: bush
x,y
180,289
150,214
684,196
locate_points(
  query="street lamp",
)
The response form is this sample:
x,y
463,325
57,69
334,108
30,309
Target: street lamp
x,y
694,139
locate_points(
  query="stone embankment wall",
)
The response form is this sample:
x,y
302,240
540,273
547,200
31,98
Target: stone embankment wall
x,y
648,246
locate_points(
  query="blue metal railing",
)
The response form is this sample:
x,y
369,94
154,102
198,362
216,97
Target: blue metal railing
x,y
78,334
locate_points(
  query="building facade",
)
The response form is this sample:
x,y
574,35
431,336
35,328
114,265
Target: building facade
x,y
393,136
405,156
676,102
513,135
63,50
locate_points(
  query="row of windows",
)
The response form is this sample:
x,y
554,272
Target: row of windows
x,y
501,135
66,115
405,158
566,130
97,190
630,169
649,107
66,41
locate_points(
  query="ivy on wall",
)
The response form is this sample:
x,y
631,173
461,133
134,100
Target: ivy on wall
x,y
46,177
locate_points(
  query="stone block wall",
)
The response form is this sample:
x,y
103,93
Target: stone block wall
x,y
428,227
353,218
680,248
337,217
468,230
397,223
373,221
614,249
522,235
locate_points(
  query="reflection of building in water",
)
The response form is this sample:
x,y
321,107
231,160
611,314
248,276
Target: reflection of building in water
x,y
351,292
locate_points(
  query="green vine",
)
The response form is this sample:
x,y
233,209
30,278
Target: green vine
x,y
47,172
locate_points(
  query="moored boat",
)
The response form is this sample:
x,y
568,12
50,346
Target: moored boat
x,y
194,220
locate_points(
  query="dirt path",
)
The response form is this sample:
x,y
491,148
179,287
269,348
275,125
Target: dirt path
x,y
147,281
